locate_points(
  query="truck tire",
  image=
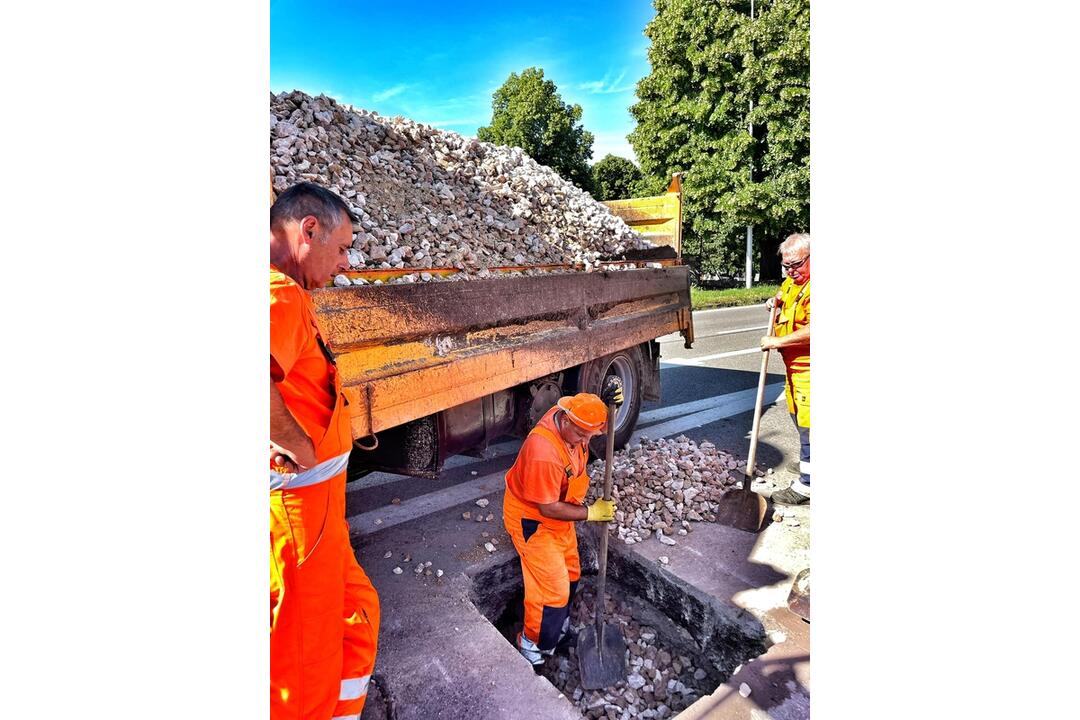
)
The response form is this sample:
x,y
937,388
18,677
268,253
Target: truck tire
x,y
628,364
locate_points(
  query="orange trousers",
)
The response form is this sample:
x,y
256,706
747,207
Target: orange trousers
x,y
324,612
550,568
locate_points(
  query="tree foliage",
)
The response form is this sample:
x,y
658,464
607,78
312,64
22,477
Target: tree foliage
x,y
709,62
613,177
527,112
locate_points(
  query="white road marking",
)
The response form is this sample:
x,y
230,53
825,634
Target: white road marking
x,y
663,413
373,480
759,306
743,401
380,478
421,505
715,334
698,361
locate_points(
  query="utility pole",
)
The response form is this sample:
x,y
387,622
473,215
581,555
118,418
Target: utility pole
x,y
750,228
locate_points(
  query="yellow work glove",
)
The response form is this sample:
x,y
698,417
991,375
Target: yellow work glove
x,y
601,511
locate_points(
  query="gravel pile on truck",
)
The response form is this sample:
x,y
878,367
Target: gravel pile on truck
x,y
429,198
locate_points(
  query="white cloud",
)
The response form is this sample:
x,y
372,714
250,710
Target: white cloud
x,y
607,85
462,114
614,144
389,92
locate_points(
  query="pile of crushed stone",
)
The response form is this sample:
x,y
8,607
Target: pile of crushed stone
x,y
662,486
429,198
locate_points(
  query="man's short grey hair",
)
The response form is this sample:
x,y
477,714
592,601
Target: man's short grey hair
x,y
306,198
796,243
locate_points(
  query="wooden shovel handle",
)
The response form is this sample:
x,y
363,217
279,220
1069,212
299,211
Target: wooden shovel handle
x,y
751,457
601,579
609,449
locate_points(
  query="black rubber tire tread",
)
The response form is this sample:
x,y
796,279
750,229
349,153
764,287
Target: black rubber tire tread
x,y
589,378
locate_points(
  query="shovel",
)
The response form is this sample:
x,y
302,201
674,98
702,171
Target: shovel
x,y
601,649
745,509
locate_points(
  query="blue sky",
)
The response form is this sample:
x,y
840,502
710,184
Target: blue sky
x,y
439,62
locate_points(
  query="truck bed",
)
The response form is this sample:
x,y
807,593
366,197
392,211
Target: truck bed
x,y
410,350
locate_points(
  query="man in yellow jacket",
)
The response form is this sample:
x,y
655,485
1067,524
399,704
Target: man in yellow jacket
x,y
792,338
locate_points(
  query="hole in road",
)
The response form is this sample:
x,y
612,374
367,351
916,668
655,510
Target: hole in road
x,y
681,644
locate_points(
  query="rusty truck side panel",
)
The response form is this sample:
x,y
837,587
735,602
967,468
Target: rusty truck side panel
x,y
405,351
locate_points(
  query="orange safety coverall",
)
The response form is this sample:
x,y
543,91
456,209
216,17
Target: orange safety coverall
x,y
546,471
324,612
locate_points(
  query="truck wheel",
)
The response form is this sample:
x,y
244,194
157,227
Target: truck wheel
x,y
627,364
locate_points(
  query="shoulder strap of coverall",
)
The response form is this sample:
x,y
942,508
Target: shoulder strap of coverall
x,y
794,303
560,447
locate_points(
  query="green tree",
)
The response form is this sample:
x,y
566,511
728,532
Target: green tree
x,y
613,177
709,62
528,113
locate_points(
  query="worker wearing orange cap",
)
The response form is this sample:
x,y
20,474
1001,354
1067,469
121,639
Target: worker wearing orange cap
x,y
545,490
324,613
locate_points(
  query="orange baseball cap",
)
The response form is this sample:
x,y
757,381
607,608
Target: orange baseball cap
x,y
585,410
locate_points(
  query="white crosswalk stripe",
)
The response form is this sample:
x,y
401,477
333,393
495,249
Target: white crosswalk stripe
x,y
701,360
380,478
678,338
687,408
391,515
733,404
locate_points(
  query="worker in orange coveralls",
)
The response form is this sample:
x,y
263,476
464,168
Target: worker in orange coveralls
x,y
324,613
545,490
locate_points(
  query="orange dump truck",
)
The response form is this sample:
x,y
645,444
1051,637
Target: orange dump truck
x,y
435,369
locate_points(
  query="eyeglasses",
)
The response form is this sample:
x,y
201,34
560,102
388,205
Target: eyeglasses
x,y
795,265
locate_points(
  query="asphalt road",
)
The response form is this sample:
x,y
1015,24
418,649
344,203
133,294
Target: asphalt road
x,y
726,358
707,393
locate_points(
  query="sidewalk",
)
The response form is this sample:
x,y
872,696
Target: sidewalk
x,y
440,657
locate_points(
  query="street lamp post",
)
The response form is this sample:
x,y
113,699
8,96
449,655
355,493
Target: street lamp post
x,y
750,228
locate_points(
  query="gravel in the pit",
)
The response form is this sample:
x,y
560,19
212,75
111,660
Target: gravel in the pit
x,y
660,682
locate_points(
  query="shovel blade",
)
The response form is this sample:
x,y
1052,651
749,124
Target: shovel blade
x,y
743,509
601,665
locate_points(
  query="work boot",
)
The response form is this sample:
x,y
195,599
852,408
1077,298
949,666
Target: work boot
x,y
531,652
792,495
566,641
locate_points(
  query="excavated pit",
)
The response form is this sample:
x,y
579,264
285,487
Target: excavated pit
x,y
682,643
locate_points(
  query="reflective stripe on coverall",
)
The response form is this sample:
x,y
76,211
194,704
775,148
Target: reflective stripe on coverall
x,y
324,612
547,547
794,315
